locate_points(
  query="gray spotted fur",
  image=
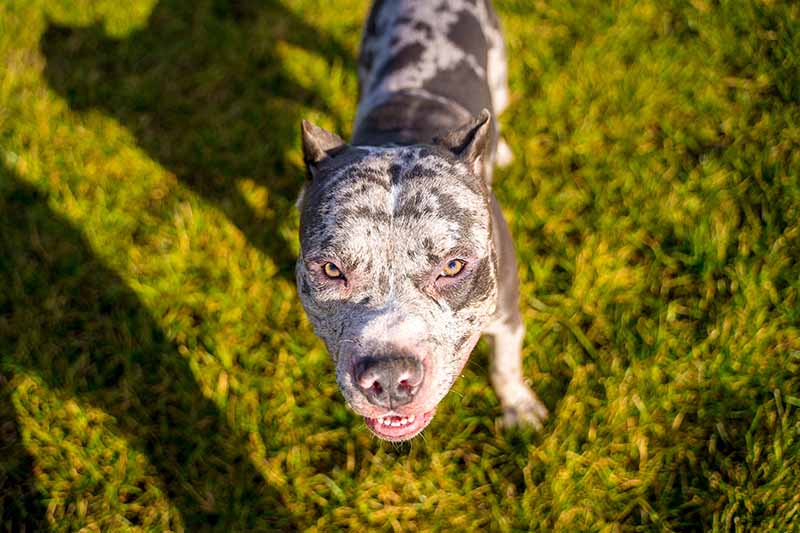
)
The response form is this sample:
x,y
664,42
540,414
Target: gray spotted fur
x,y
411,191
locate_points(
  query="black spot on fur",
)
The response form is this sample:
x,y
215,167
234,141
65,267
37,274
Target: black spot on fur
x,y
383,280
413,208
424,27
373,179
363,212
408,55
467,35
462,84
395,173
448,210
419,171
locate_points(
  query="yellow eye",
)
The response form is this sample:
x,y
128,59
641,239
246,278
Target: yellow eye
x,y
452,268
332,271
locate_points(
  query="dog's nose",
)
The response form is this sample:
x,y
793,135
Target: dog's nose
x,y
389,381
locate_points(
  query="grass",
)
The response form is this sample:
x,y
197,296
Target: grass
x,y
156,369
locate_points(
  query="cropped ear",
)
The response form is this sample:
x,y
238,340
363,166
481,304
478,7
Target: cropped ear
x,y
469,142
318,146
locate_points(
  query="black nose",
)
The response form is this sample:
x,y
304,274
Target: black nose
x,y
388,381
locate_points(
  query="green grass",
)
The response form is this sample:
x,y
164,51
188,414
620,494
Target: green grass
x,y
156,368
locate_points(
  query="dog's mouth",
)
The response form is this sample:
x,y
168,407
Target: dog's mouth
x,y
399,428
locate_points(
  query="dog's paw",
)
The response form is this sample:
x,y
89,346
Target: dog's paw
x,y
525,409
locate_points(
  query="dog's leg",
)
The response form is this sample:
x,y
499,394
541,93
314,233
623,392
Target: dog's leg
x,y
505,335
520,404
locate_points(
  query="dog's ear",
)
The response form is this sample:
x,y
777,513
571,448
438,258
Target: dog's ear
x,y
318,145
470,142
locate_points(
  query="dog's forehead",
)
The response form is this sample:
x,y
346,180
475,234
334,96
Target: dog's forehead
x,y
416,199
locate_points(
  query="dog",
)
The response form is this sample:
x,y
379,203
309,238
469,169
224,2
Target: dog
x,y
406,259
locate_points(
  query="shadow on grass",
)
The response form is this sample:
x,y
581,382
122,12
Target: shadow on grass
x,y
67,318
21,506
203,90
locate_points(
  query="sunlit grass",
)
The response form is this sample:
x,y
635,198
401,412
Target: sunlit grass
x,y
157,371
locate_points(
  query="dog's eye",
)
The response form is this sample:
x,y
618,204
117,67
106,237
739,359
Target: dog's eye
x,y
332,271
452,268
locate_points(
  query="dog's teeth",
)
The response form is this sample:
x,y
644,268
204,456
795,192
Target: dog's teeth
x,y
412,418
387,422
395,424
380,420
404,421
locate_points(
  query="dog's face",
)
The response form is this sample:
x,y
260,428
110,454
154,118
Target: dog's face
x,y
397,269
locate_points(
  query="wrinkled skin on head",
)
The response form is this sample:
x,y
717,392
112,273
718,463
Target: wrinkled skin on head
x,y
390,219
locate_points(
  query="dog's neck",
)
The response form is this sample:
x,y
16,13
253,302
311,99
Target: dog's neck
x,y
406,117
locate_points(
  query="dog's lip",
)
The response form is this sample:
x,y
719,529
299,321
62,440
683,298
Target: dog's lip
x,y
398,433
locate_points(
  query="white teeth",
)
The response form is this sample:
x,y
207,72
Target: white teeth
x,y
395,421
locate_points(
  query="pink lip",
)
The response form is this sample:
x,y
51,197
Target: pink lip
x,y
399,432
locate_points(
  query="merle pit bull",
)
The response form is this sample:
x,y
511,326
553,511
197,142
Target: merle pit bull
x,y
405,256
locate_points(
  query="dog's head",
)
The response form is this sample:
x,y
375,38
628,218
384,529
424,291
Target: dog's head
x,y
397,270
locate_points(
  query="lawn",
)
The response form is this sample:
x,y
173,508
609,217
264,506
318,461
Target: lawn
x,y
157,371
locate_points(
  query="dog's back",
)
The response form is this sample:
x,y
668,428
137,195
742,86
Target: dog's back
x,y
427,66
